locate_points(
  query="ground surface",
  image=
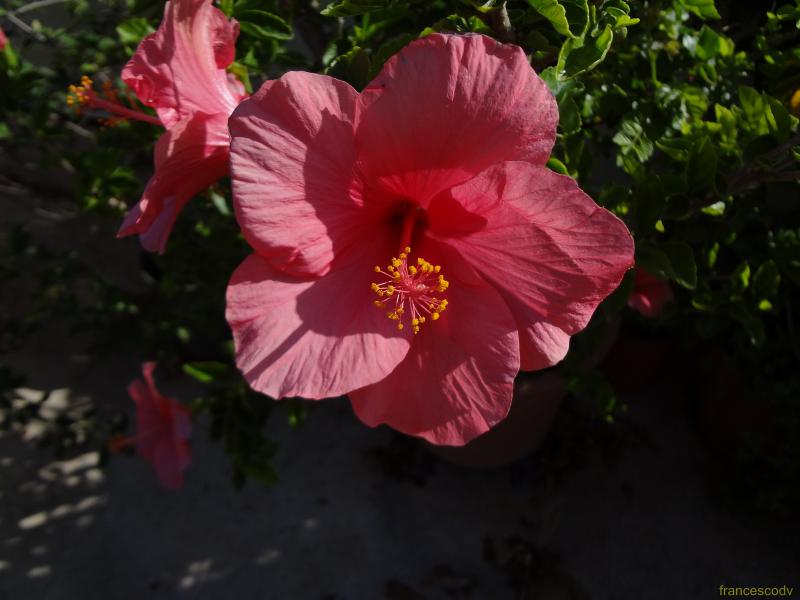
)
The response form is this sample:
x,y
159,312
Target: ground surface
x,y
633,513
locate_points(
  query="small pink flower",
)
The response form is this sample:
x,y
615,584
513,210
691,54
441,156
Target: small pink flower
x,y
427,196
180,71
650,293
163,429
3,39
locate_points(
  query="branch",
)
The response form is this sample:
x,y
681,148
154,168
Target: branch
x,y
25,27
36,5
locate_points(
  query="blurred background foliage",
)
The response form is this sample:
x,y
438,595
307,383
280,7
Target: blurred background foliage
x,y
678,115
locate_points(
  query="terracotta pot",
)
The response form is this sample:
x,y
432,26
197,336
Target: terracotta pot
x,y
533,409
633,363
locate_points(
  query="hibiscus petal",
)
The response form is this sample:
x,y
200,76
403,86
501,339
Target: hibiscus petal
x,y
541,345
310,337
551,251
180,69
189,157
292,160
457,380
446,107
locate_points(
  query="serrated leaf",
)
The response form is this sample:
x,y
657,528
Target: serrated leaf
x,y
568,17
585,53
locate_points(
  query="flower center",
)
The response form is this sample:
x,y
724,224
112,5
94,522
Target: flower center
x,y
410,290
83,95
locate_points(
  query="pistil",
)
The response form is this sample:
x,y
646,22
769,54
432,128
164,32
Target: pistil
x,y
83,95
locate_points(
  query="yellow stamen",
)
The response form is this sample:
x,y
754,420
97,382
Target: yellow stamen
x,y
413,286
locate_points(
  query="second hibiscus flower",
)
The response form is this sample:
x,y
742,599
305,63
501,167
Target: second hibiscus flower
x,y
180,71
410,247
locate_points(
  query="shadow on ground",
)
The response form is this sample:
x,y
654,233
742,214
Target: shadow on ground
x,y
368,514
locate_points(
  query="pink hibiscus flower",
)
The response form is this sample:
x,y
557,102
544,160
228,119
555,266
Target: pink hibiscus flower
x,y
163,429
180,71
436,170
650,293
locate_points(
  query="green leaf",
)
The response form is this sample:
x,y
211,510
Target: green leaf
x,y
779,121
568,17
670,260
388,49
711,44
207,371
766,280
556,165
219,202
676,148
727,120
241,73
264,25
565,91
701,169
133,30
632,139
585,53
681,256
704,9
717,209
352,67
650,203
741,276
754,109
226,6
570,116
619,13
349,8
711,258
